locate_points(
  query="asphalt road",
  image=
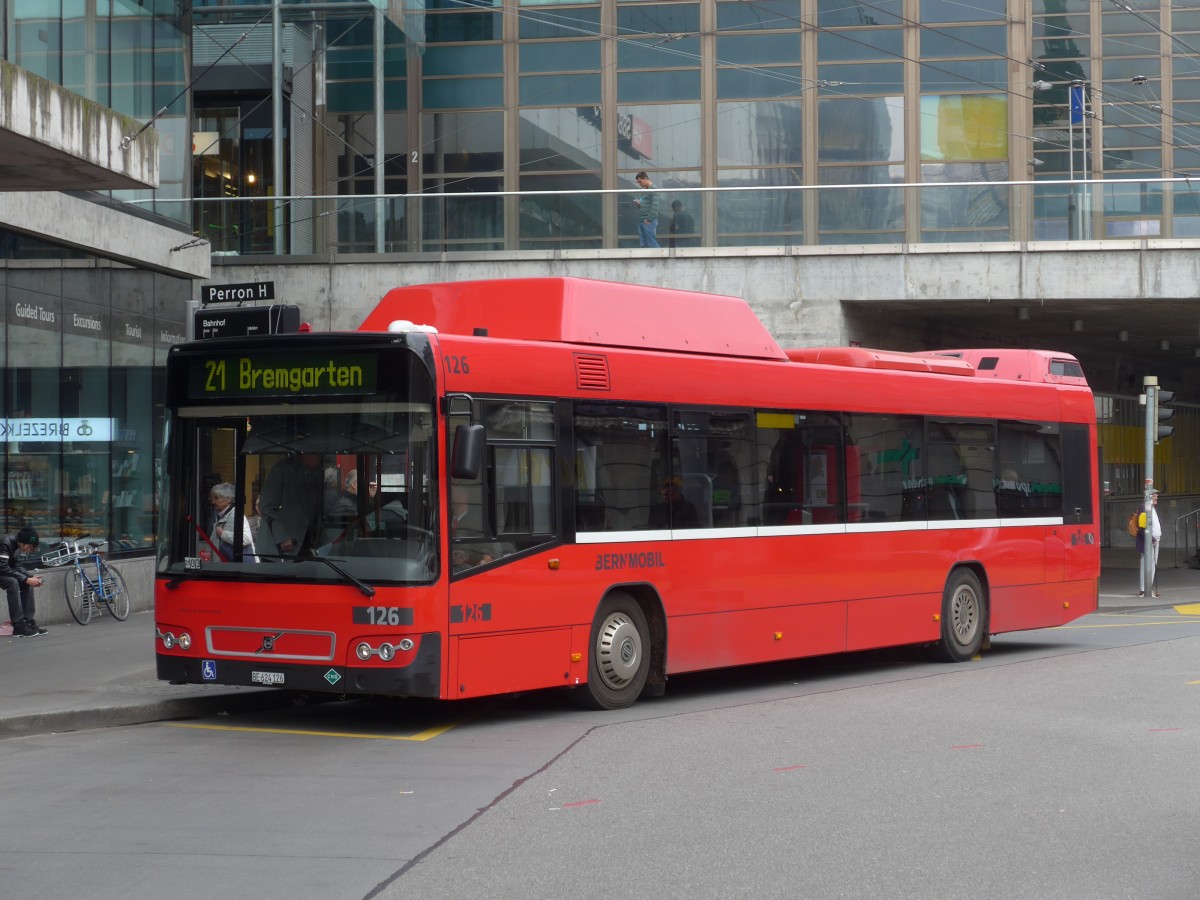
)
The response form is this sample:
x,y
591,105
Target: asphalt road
x,y
1057,766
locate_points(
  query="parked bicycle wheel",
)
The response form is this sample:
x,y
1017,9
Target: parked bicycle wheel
x,y
116,596
80,599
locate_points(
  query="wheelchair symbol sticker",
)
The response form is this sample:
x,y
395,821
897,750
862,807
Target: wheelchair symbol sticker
x,y
208,670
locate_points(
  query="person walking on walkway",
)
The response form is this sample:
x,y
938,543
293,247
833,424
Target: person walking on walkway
x,y
647,205
1148,522
19,584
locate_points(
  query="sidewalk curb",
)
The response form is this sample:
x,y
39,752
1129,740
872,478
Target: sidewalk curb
x,y
142,713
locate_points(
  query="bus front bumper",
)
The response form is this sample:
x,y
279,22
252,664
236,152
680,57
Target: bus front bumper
x,y
420,678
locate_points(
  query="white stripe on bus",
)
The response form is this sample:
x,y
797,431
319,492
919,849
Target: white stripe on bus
x,y
698,534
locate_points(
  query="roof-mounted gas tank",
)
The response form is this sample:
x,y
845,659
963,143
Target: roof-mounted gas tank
x,y
866,358
1012,364
582,311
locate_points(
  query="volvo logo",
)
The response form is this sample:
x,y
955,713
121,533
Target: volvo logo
x,y
268,644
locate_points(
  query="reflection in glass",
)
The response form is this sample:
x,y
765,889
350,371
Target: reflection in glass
x,y
838,13
970,212
577,88
758,49
463,26
855,45
463,142
861,130
560,139
767,81
538,24
665,136
463,223
762,133
1133,198
971,40
658,18
566,219
759,16
760,217
560,56
867,78
957,126
955,11
650,86
857,213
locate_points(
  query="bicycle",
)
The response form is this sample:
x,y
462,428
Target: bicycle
x,y
94,582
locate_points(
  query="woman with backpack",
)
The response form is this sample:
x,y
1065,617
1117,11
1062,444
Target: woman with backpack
x,y
1148,517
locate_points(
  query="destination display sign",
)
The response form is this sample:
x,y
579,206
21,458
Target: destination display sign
x,y
252,374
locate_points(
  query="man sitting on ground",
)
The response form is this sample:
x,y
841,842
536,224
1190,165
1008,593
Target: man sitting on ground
x,y
17,583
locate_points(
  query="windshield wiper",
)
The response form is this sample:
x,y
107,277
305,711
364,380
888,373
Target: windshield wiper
x,y
366,589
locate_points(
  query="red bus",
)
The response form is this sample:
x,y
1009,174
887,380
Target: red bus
x,y
507,485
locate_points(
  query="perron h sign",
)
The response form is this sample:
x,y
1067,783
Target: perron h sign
x,y
250,292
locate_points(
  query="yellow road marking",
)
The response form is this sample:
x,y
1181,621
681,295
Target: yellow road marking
x,y
1188,609
1128,624
1192,682
425,735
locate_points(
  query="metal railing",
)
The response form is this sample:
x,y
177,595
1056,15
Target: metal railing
x,y
730,216
1187,537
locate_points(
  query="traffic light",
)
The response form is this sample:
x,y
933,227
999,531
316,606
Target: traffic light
x,y
1163,413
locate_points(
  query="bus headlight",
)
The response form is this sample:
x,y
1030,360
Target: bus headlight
x,y
363,651
185,641
387,652
168,640
406,644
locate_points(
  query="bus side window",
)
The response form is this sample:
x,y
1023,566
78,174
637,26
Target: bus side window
x,y
891,484
1030,481
626,447
805,477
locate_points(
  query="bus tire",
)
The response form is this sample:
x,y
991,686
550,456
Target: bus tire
x,y
964,618
618,655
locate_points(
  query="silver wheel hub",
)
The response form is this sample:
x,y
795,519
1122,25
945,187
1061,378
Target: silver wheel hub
x,y
964,614
618,650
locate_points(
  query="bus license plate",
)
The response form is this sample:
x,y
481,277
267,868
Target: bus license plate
x,y
266,678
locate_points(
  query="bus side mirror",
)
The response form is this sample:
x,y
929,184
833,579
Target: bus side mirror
x,y
466,461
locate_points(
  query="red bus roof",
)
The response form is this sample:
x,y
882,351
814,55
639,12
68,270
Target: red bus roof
x,y
1016,364
864,358
582,311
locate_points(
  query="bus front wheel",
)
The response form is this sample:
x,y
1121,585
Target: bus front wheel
x,y
619,655
964,618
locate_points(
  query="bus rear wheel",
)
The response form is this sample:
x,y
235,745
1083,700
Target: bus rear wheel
x,y
619,657
964,617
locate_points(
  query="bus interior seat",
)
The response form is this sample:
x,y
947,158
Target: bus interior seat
x,y
698,490
624,479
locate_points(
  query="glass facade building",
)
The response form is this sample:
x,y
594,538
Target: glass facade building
x,y
521,125
83,339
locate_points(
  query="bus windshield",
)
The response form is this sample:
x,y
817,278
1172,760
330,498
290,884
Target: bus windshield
x,y
322,485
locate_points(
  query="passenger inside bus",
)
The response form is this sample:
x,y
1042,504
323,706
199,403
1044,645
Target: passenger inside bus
x,y
466,528
345,508
291,500
673,510
470,543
